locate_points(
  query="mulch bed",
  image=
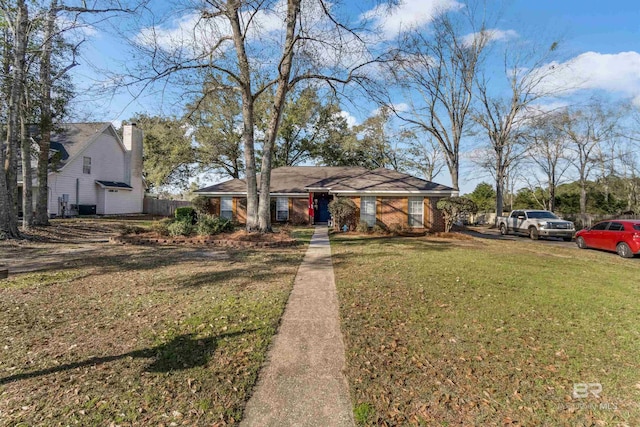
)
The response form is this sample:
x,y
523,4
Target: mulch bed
x,y
239,239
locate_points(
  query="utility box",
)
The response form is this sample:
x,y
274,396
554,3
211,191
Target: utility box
x,y
87,209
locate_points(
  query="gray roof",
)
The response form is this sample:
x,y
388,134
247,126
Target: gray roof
x,y
68,139
113,184
71,139
343,179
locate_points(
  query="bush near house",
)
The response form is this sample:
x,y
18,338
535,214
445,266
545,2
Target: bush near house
x,y
181,227
186,213
453,208
201,204
343,211
184,225
209,224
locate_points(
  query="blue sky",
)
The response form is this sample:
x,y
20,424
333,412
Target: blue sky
x,y
600,38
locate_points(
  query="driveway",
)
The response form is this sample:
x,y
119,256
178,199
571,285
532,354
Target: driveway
x,y
494,234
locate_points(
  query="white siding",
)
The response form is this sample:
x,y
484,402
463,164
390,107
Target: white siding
x,y
108,160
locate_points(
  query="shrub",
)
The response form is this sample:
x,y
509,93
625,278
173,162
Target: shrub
x,y
209,225
378,229
453,208
126,229
180,228
201,204
162,227
362,227
343,211
186,213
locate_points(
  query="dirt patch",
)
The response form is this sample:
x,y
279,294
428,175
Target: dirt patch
x,y
452,236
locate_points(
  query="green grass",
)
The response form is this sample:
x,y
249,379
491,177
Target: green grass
x,y
488,332
302,234
36,279
140,336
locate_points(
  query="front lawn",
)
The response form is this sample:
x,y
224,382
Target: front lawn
x,y
125,335
482,332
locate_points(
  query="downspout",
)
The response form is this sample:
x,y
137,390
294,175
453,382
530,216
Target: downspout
x,y
77,196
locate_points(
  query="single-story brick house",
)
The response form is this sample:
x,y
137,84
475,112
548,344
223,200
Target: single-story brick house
x,y
301,195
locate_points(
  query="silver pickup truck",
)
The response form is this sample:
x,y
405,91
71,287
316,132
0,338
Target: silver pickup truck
x,y
536,224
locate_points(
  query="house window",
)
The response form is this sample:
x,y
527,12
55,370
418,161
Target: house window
x,y
226,207
86,165
416,211
282,209
368,210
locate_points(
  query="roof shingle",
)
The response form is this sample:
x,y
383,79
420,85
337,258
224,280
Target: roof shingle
x,y
302,179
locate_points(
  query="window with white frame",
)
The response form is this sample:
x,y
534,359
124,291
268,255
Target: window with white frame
x,y
86,165
368,210
282,209
226,207
416,212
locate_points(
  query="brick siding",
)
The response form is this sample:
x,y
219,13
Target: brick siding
x,y
392,210
299,211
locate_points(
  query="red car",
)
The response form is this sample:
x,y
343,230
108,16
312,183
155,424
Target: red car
x,y
619,235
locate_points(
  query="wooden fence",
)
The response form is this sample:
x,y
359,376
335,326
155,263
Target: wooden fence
x,y
163,207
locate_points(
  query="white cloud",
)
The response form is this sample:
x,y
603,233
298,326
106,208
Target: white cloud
x,y
408,14
617,72
399,107
192,31
492,34
188,31
351,120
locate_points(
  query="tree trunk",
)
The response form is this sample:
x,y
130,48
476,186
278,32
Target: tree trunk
x,y
552,191
248,115
264,211
20,27
583,202
250,161
453,166
5,214
27,178
46,121
499,196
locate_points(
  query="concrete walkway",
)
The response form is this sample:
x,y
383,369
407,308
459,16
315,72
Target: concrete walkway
x,y
302,382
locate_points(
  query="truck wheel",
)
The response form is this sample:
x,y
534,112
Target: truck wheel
x,y
533,233
503,229
567,239
624,250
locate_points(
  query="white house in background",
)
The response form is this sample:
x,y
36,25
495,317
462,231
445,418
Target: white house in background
x,y
94,171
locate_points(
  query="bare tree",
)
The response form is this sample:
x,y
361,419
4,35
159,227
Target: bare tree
x,y
425,156
586,130
437,71
231,41
503,117
548,152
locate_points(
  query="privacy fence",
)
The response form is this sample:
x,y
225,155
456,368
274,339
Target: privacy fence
x,y
163,207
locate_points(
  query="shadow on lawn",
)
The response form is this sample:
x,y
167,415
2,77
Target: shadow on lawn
x,y
182,352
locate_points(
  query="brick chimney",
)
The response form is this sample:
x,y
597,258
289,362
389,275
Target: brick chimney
x,y
132,139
